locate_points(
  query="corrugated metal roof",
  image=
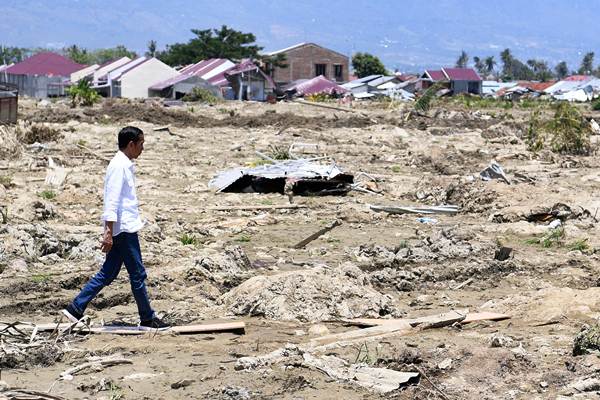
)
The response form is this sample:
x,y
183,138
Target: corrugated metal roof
x,y
45,63
300,169
287,49
170,82
435,75
248,65
536,86
381,80
461,74
577,78
320,84
366,79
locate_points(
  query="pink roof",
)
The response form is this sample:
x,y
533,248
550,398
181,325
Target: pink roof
x,y
247,65
320,84
577,78
219,79
203,67
170,82
461,74
45,63
436,75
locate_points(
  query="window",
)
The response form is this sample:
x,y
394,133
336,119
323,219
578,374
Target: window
x,y
338,70
320,69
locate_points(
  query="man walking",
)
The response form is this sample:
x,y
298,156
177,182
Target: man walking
x,y
120,240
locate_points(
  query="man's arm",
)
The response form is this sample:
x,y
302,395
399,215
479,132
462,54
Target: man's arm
x,y
107,237
112,200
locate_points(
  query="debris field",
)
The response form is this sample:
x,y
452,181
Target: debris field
x,y
316,253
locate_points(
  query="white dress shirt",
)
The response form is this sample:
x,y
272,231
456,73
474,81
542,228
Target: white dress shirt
x,y
120,199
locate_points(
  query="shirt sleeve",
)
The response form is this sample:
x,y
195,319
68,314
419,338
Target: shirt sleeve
x,y
112,193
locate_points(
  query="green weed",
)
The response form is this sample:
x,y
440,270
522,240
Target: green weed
x,y
243,239
581,245
47,194
186,239
41,278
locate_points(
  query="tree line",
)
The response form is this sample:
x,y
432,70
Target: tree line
x,y
224,42
9,55
532,69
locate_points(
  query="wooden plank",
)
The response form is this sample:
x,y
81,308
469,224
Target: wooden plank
x,y
470,317
258,208
392,327
325,106
237,326
317,234
484,316
361,333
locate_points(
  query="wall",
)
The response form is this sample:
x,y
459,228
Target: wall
x,y
463,87
38,86
135,83
8,107
301,64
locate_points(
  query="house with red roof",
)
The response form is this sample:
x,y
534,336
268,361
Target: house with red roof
x,y
42,75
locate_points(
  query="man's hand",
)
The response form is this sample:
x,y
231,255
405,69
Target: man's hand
x,y
107,239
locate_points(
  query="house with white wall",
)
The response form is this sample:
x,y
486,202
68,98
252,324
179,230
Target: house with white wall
x,y
134,79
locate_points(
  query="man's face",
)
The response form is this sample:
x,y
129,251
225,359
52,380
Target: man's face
x,y
138,147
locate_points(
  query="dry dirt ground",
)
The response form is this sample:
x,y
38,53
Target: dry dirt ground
x,y
373,265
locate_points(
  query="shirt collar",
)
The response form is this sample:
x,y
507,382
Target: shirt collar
x,y
124,159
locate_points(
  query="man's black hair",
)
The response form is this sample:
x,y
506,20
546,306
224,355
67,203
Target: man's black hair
x,y
129,134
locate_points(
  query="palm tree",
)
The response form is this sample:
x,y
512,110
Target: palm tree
x,y
479,65
463,60
490,63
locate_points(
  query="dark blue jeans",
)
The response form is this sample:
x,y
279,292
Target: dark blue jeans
x,y
125,249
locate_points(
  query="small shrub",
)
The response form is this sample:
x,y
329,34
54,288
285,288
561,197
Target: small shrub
x,y
279,153
243,239
202,95
553,238
580,245
41,278
423,103
396,169
6,181
596,105
186,239
567,132
47,194
587,340
38,133
319,97
82,94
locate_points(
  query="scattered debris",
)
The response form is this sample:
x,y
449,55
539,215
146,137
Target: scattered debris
x,y
317,234
310,179
444,209
503,253
494,171
94,363
587,340
381,380
55,174
182,383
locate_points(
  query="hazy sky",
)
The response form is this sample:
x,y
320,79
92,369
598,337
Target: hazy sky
x,y
405,34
